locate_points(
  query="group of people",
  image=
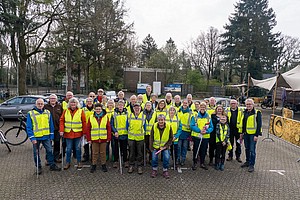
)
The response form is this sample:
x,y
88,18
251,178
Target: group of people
x,y
140,129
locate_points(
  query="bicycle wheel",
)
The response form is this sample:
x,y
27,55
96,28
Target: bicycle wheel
x,y
1,121
16,136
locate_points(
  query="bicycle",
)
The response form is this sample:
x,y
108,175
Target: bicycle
x,y
1,121
3,140
17,134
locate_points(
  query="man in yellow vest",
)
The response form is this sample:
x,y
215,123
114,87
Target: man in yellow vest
x,y
161,138
189,98
40,130
251,129
211,107
69,95
177,102
136,132
168,99
234,114
147,95
88,111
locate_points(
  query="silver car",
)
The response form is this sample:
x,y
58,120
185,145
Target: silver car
x,y
10,108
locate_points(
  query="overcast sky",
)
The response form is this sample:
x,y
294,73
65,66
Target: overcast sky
x,y
185,19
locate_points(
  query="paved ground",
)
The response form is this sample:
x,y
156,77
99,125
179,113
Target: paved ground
x,y
19,182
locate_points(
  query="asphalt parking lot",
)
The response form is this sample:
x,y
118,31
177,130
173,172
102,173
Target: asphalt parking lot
x,y
276,176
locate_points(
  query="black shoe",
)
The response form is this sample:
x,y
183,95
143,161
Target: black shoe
x,y
251,169
39,171
246,164
182,163
239,159
85,159
229,159
54,168
211,163
203,166
104,169
46,163
93,168
194,167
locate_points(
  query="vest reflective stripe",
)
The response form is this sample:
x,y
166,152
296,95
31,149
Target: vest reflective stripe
x,y
174,124
136,127
210,110
88,113
251,125
200,123
73,123
223,133
120,123
98,132
149,124
40,123
145,99
160,141
163,112
185,121
64,105
109,113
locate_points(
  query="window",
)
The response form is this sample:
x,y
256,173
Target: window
x,y
15,101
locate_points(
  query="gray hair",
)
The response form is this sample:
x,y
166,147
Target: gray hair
x,y
161,116
249,100
53,95
74,99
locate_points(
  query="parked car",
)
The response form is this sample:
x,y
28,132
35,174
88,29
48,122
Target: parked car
x,y
225,102
10,107
60,97
111,94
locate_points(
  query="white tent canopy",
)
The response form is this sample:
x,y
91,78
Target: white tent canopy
x,y
289,79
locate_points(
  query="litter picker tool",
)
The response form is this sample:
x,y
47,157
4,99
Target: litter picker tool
x,y
120,157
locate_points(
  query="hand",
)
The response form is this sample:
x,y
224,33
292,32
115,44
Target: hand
x,y
223,143
174,138
90,142
116,134
61,134
203,131
162,148
241,136
255,138
34,141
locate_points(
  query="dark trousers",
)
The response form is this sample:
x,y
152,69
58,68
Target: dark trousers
x,y
112,143
123,149
212,147
147,143
234,136
203,149
220,153
136,152
174,148
196,141
86,153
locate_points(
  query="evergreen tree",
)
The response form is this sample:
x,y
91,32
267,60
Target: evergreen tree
x,y
148,48
248,43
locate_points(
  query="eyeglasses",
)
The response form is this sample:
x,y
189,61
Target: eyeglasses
x,y
92,96
100,91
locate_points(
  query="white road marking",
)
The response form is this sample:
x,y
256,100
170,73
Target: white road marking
x,y
279,171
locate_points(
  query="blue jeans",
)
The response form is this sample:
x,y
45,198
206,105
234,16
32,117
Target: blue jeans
x,y
250,147
166,159
203,149
182,150
49,154
76,143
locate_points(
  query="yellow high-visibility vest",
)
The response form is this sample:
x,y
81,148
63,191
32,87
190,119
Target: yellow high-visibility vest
x,y
201,122
40,123
174,124
88,113
64,105
73,123
223,132
185,119
136,127
150,123
98,132
160,141
120,122
239,120
251,124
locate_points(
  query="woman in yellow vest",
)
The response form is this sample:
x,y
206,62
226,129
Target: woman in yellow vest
x,y
201,127
88,111
222,140
173,119
136,134
161,108
72,126
149,121
98,134
161,138
110,108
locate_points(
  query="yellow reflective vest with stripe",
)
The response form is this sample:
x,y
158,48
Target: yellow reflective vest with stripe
x,y
160,140
210,110
88,113
73,123
120,122
161,112
109,113
174,122
201,123
64,105
251,124
239,119
98,131
136,127
185,119
222,132
40,123
150,123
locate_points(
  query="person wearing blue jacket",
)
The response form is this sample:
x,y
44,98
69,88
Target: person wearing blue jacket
x,y
40,130
201,126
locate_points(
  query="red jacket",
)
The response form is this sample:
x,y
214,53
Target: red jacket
x,y
72,134
108,128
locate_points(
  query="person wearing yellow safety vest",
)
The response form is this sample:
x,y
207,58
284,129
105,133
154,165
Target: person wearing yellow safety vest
x,y
161,138
118,125
139,100
154,101
72,126
173,119
161,108
110,108
197,107
88,111
211,107
121,97
136,128
64,104
168,99
40,130
201,126
251,129
147,95
235,114
222,141
177,102
149,121
132,101
185,114
215,118
98,134
189,98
